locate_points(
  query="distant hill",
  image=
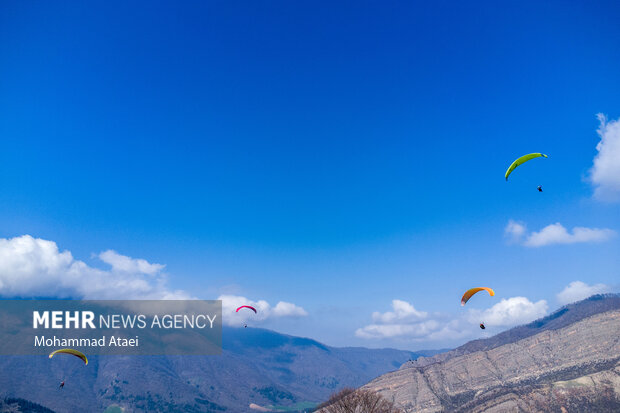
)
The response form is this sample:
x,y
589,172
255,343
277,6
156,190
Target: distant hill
x,y
257,366
568,361
17,405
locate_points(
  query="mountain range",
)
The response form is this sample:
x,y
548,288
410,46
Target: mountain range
x,y
568,361
257,366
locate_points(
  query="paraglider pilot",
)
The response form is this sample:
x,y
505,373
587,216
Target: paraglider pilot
x,y
482,326
539,188
62,385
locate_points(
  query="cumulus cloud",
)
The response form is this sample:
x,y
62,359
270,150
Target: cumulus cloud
x,y
405,322
578,290
605,172
403,312
557,234
516,232
510,312
34,267
123,263
415,330
420,326
284,309
264,310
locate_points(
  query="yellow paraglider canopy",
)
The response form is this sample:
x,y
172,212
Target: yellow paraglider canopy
x,y
468,294
71,351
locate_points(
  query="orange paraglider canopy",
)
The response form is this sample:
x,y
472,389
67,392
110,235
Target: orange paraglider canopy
x,y
468,294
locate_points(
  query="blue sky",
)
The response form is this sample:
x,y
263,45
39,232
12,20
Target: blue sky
x,y
334,156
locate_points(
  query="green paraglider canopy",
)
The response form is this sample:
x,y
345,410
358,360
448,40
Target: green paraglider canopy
x,y
521,160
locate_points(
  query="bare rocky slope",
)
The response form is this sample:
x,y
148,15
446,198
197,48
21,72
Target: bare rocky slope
x,y
566,362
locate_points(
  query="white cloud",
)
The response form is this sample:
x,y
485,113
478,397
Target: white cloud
x,y
514,231
122,263
31,267
578,290
605,173
510,312
420,326
34,267
557,234
403,312
405,322
264,310
415,330
284,309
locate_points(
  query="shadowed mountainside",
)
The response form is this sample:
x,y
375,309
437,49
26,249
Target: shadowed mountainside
x,y
13,405
257,366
